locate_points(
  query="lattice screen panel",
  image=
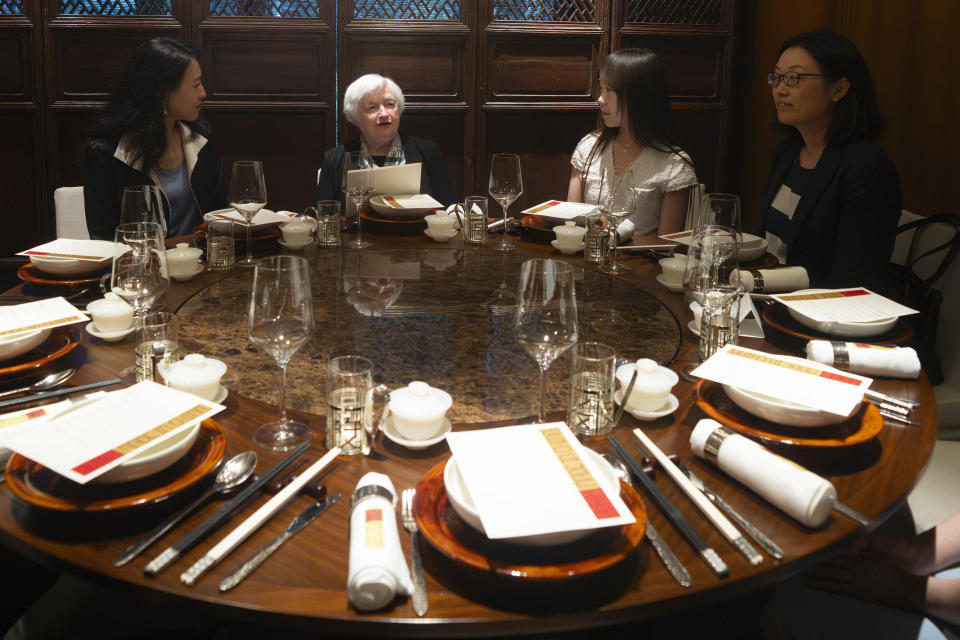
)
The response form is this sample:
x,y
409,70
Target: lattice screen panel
x,y
675,11
11,7
406,9
545,10
266,8
116,7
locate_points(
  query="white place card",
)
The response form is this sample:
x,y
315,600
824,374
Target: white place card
x,y
264,216
95,250
681,237
84,443
750,325
792,379
844,305
534,479
41,314
561,210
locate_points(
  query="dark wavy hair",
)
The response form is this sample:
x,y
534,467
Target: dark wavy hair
x,y
137,106
857,114
639,78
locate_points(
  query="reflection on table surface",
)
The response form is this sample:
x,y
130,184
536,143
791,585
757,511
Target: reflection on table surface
x,y
444,316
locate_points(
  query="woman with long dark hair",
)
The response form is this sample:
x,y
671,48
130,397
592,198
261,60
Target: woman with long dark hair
x,y
636,139
149,134
832,198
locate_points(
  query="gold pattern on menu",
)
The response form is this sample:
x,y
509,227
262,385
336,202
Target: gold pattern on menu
x,y
190,415
759,357
43,325
571,462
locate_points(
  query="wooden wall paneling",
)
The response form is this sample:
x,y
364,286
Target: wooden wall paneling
x,y
447,128
532,67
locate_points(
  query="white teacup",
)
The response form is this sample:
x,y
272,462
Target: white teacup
x,y
196,374
298,233
569,236
111,313
673,269
418,410
440,226
652,388
183,260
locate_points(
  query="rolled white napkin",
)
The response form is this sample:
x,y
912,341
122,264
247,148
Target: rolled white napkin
x,y
780,280
798,492
378,570
866,359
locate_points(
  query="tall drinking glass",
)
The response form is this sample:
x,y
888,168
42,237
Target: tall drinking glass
x,y
506,185
248,194
546,317
145,203
358,183
620,205
281,322
349,403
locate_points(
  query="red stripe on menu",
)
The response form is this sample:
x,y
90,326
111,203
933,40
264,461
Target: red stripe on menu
x,y
839,378
374,514
95,463
599,503
855,292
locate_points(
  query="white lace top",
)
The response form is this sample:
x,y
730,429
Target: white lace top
x,y
654,173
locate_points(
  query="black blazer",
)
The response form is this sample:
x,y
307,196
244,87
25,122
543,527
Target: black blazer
x,y
433,173
847,223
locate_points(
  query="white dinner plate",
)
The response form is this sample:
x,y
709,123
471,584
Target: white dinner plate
x,y
842,328
382,207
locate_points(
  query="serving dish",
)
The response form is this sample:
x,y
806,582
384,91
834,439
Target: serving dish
x,y
776,317
64,266
780,411
17,344
60,342
842,328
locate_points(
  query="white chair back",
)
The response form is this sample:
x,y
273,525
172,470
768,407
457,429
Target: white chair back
x,y
71,219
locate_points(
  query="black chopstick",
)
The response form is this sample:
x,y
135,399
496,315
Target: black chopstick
x,y
220,516
711,557
58,392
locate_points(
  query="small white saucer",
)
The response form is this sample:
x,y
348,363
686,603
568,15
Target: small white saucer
x,y
108,336
438,238
555,245
692,325
391,433
221,395
294,247
671,286
672,405
183,277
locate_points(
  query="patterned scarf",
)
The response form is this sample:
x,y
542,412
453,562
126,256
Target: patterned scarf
x,y
394,155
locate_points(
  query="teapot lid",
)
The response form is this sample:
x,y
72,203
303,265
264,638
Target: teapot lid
x,y
298,223
195,368
184,250
419,400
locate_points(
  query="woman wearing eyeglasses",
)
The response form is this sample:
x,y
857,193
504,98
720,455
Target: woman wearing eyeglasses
x,y
832,198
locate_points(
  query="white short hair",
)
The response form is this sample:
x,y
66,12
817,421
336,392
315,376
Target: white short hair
x,y
364,85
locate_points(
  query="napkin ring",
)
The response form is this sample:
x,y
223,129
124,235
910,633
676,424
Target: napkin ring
x,y
757,280
367,491
841,354
711,448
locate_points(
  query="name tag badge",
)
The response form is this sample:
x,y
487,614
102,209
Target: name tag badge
x,y
786,201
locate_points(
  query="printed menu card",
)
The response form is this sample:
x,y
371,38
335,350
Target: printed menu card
x,y
562,210
843,305
42,314
792,379
535,479
264,216
86,442
95,250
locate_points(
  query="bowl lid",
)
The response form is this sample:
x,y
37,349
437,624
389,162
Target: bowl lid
x,y
419,401
109,302
184,251
195,368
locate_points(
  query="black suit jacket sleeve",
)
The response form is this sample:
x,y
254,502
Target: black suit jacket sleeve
x,y
104,179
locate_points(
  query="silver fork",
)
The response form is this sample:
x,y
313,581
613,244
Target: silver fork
x,y
416,564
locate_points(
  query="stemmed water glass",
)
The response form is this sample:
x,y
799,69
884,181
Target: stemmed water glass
x,y
144,203
248,194
358,183
720,209
506,185
546,317
280,323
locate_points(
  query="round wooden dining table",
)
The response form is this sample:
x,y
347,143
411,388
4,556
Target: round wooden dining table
x,y
441,313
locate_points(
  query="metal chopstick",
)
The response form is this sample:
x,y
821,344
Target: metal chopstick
x,y
883,397
58,392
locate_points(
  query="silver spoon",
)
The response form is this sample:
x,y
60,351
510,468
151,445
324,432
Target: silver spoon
x,y
47,382
233,473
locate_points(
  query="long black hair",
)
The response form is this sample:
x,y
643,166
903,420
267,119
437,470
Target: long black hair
x,y
138,105
639,78
857,114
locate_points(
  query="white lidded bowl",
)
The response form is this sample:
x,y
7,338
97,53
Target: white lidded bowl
x,y
183,259
156,458
196,374
782,411
111,313
462,503
418,410
842,328
17,344
652,388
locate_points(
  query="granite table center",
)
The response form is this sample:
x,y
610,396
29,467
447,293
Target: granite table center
x,y
444,316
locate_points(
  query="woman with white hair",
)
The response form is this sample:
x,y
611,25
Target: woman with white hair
x,y
374,104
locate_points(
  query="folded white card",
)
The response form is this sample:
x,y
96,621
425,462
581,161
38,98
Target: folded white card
x,y
86,442
561,210
794,379
42,314
264,216
419,201
843,305
95,250
534,479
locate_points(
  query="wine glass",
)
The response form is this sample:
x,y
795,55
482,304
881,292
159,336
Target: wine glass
x,y
720,209
546,318
248,194
506,185
358,183
145,203
620,205
281,322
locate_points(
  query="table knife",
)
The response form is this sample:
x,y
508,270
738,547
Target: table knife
x,y
758,536
669,559
306,516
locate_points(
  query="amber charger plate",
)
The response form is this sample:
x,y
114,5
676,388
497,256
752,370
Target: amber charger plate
x,y
458,541
376,223
777,317
30,273
263,232
866,424
60,342
36,485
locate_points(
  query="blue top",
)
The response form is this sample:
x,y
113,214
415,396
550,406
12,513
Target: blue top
x,y
184,216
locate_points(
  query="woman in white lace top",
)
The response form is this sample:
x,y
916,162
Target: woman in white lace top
x,y
636,148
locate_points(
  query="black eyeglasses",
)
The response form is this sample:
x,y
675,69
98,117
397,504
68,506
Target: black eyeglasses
x,y
790,78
